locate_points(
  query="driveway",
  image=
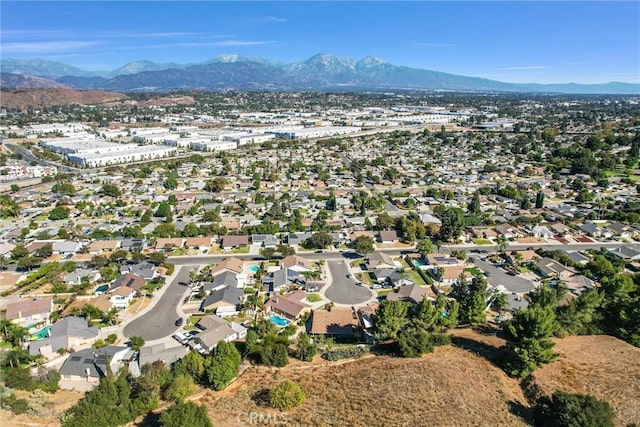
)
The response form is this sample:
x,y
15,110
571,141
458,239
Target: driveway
x,y
344,290
498,276
159,322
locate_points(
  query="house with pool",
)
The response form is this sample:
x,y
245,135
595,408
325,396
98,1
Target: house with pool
x,y
290,306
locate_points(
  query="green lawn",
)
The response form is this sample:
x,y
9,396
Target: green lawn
x,y
473,270
384,292
241,250
417,279
191,322
314,298
480,241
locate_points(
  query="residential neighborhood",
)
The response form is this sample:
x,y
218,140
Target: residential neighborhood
x,y
146,242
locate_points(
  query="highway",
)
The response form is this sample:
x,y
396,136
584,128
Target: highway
x,y
159,321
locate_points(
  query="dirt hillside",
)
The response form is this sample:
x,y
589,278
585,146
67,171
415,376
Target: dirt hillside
x,y
450,387
48,97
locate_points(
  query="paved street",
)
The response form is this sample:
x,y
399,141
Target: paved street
x,y
497,276
343,290
159,322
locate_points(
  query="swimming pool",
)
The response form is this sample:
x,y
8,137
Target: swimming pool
x,y
102,289
416,263
279,321
42,333
254,268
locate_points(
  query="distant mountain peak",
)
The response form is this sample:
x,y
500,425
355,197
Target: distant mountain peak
x,y
372,60
230,57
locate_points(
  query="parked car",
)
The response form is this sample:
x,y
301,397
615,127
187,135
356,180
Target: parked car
x,y
180,321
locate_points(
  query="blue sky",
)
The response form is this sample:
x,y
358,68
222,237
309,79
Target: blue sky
x,y
584,42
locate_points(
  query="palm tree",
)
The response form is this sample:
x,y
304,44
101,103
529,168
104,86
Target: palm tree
x,y
502,243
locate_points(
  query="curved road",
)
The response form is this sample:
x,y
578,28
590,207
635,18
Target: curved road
x,y
343,290
159,322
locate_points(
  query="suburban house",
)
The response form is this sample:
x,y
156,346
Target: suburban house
x,y
398,278
121,297
411,293
289,305
264,240
83,369
144,269
591,229
388,237
339,322
129,280
232,264
436,260
579,283
213,330
66,248
99,246
276,280
297,239
225,302
295,266
379,261
160,352
234,241
29,312
202,244
451,274
223,280
168,244
541,231
509,231
69,333
75,277
626,252
551,268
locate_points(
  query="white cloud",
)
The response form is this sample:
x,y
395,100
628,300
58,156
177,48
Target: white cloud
x,y
47,47
268,19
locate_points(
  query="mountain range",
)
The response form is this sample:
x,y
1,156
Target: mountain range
x,y
235,72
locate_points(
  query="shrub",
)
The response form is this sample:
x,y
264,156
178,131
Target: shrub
x,y
112,338
286,395
338,353
185,414
19,378
573,410
13,404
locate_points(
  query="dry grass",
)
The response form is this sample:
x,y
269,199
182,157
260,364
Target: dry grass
x,y
48,409
602,366
58,96
450,387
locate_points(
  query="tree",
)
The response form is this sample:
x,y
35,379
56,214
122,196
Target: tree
x,y
320,240
363,245
452,223
414,342
223,366
425,247
59,212
215,185
286,395
109,189
191,230
8,207
528,343
391,317
305,348
180,387
573,410
474,206
28,263
136,343
274,352
539,200
502,243
185,414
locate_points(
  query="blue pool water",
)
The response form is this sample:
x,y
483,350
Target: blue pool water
x,y
254,268
102,288
279,321
42,333
417,263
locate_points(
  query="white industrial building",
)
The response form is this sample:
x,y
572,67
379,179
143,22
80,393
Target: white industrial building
x,y
317,132
253,138
202,145
133,153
